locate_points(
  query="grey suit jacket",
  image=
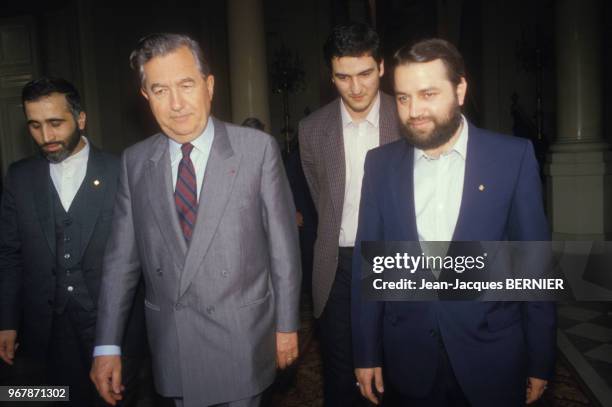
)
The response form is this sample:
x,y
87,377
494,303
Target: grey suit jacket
x,y
212,309
322,153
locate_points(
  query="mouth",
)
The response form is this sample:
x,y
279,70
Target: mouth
x,y
358,98
420,123
52,147
181,118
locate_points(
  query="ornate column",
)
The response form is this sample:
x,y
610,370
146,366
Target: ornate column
x,y
579,166
247,55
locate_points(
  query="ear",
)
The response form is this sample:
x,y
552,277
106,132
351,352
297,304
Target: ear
x,y
210,85
144,93
381,68
82,120
461,91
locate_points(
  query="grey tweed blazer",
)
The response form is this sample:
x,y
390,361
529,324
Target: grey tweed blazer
x,y
322,153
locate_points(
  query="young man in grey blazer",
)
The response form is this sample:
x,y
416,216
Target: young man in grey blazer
x,y
204,207
334,141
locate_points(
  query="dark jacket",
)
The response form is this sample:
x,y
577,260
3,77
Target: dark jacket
x,y
28,245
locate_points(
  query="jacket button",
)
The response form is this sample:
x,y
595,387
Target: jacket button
x,y
70,288
159,271
178,306
210,310
224,273
433,333
67,256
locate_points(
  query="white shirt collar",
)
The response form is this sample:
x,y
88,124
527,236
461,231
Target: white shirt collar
x,y
460,145
372,117
199,143
77,158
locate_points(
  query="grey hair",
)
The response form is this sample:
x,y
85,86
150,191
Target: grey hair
x,y
160,44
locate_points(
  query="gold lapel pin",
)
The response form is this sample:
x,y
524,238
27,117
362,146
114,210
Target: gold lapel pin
x,y
481,187
96,183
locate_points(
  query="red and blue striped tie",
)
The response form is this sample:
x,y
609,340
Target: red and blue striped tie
x,y
185,193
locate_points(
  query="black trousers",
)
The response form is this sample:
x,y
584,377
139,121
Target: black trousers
x,y
70,358
334,325
70,354
445,392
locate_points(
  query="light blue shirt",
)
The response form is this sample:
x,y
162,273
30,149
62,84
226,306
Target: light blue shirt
x,y
199,157
438,189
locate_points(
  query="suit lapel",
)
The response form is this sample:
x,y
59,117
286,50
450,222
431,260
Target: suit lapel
x,y
221,171
476,166
388,125
42,191
90,196
335,159
404,196
161,199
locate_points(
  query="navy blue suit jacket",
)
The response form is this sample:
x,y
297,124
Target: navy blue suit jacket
x,y
493,346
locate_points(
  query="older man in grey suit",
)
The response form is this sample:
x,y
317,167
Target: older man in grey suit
x,y
205,209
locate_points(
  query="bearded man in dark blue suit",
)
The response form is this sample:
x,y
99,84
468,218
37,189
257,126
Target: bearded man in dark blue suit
x,y
448,180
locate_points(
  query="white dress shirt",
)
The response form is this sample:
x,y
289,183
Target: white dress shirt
x,y
199,157
359,138
68,175
438,189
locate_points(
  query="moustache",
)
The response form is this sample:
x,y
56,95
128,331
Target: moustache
x,y
419,119
52,143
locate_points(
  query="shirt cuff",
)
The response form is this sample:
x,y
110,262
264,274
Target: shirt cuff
x,y
106,350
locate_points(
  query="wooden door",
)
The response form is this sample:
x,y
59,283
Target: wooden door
x,y
18,65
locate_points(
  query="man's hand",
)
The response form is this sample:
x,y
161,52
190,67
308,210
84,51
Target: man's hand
x,y
299,218
364,380
7,345
535,388
106,375
286,348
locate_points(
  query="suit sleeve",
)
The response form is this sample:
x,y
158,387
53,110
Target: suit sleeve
x,y
121,268
11,264
283,244
528,222
366,316
308,164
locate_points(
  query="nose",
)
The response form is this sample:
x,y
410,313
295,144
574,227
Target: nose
x,y
355,86
176,100
48,135
415,109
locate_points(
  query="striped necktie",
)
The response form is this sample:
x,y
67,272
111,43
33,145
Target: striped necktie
x,y
185,195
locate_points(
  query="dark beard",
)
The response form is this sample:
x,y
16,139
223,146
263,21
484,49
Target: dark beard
x,y
442,133
68,147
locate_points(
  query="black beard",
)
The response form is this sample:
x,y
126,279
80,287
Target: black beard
x,y
68,147
441,134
